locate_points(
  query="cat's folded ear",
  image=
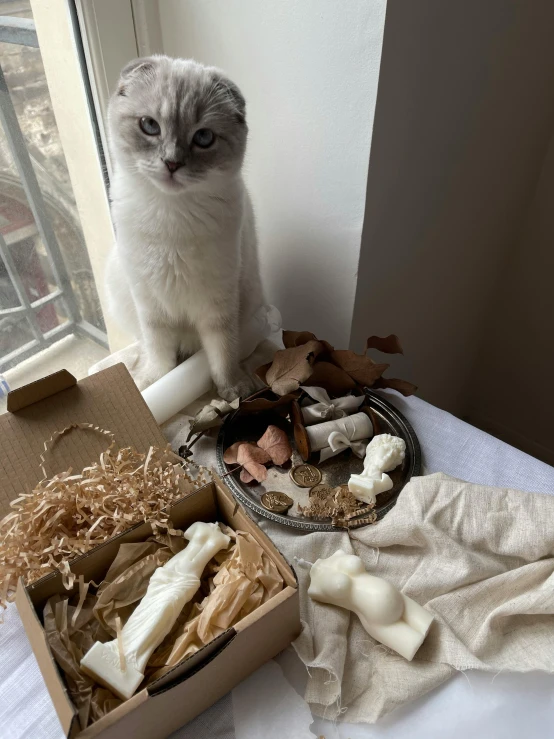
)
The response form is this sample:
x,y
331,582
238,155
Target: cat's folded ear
x,y
233,93
137,67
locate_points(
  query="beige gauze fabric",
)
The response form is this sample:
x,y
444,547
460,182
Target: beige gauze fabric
x,y
481,559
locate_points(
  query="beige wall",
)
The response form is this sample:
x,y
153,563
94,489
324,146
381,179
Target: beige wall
x,y
465,110
511,387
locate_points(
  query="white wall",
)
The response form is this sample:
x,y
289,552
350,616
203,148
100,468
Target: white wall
x,y
309,72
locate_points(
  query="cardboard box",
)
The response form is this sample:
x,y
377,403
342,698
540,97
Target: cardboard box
x,y
110,400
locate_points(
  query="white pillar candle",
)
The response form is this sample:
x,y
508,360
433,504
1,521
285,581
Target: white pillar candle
x,y
386,614
170,588
192,378
383,454
334,437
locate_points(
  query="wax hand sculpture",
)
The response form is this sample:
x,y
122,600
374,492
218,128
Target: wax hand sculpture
x,y
170,588
383,454
386,614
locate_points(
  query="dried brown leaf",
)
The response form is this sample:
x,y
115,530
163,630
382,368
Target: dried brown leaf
x,y
332,378
297,338
402,386
291,367
279,405
361,369
387,344
276,443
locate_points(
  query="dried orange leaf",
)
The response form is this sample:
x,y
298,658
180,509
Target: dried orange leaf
x,y
230,456
253,459
276,443
387,344
362,370
291,367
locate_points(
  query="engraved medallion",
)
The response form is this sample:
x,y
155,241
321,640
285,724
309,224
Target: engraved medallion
x,y
305,475
321,491
276,502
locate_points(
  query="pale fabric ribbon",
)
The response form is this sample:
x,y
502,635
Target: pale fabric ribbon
x,y
326,409
338,442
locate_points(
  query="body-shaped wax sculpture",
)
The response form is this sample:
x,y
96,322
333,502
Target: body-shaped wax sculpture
x,y
386,614
169,589
383,454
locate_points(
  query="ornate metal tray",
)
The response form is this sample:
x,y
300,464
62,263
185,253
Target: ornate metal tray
x,y
335,471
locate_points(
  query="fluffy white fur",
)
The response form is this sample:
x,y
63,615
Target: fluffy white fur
x,y
184,270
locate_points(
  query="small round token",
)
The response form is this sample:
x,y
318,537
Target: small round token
x,y
276,502
321,491
305,475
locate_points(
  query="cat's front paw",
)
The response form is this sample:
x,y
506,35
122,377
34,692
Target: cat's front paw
x,y
241,388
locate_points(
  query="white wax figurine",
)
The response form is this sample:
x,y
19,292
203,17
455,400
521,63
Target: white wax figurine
x,y
170,588
383,454
386,614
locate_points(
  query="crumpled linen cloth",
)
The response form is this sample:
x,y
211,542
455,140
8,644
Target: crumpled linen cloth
x,y
480,558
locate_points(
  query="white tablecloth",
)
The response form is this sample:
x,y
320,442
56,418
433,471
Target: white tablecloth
x,y
269,703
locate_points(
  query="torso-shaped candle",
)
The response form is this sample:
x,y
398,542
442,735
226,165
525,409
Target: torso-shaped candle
x,y
169,589
383,454
386,614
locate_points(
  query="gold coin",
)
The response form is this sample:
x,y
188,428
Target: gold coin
x,y
276,502
305,475
321,491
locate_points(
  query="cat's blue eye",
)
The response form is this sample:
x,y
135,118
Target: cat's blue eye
x,y
204,138
149,126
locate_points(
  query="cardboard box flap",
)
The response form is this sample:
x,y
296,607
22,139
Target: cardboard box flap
x,y
108,399
40,389
67,713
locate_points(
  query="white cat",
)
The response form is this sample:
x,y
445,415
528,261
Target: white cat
x,y
184,271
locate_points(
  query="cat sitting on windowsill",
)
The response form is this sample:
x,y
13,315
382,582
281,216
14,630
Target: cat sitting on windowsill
x,y
184,271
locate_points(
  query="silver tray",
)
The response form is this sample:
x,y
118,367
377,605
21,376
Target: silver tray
x,y
335,471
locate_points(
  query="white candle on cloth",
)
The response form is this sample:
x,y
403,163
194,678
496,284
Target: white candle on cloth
x,y
333,437
192,378
325,409
383,454
120,666
386,614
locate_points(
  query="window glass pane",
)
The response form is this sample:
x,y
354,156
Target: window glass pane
x,y
15,333
40,228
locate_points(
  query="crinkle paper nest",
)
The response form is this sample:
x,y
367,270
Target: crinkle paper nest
x,y
67,515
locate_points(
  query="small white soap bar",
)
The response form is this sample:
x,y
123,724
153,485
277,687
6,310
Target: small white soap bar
x,y
383,454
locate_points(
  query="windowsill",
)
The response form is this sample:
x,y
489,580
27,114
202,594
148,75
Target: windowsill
x,y
73,353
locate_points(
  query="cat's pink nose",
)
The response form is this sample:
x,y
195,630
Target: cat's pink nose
x,y
172,166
